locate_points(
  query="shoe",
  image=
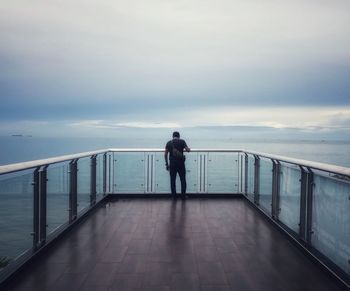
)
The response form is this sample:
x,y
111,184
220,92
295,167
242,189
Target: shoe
x,y
183,197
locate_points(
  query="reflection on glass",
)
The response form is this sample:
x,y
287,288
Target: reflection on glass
x,y
223,172
84,177
16,212
290,196
242,171
57,195
331,219
129,173
162,177
191,173
265,191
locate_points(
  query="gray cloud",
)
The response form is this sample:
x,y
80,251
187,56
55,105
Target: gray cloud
x,y
88,60
339,120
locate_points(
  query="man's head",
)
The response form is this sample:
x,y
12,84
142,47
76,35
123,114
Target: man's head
x,y
176,134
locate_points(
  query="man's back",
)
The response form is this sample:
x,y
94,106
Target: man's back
x,y
178,144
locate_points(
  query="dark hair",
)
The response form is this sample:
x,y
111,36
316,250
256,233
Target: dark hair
x,y
176,134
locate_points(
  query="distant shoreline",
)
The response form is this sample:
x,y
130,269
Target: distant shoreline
x,y
20,135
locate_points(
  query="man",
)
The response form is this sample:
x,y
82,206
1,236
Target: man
x,y
175,148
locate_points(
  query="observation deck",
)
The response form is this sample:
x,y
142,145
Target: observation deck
x,y
104,220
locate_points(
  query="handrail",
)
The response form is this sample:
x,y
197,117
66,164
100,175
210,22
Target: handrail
x,y
6,169
305,163
162,150
10,168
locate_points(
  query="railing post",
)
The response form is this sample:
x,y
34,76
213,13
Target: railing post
x,y
110,161
240,166
104,173
93,180
149,186
43,203
246,174
303,203
73,190
35,232
256,179
202,173
310,188
275,189
146,184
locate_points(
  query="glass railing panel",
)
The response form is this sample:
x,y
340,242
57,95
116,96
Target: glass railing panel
x,y
99,177
331,219
162,176
129,172
250,178
265,184
16,212
84,178
57,196
223,172
191,165
290,188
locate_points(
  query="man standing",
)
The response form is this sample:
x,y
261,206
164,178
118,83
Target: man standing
x,y
175,148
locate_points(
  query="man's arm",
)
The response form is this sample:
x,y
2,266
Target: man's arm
x,y
186,148
166,158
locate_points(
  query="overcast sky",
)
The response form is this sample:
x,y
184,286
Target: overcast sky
x,y
73,65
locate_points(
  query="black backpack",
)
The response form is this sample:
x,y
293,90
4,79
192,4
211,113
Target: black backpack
x,y
176,153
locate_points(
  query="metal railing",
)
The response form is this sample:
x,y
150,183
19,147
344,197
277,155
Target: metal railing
x,y
309,200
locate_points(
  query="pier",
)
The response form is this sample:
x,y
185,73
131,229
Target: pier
x,y
105,220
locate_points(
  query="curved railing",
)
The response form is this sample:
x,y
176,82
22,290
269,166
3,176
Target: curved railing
x,y
309,200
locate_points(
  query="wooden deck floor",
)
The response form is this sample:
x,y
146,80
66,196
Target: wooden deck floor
x,y
160,244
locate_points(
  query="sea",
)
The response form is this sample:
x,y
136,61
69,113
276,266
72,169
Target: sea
x,y
15,149
16,208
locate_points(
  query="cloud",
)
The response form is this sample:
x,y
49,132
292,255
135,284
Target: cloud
x,y
116,125
273,117
276,117
235,52
160,64
339,120
276,122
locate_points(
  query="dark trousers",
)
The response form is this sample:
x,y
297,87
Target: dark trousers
x,y
177,167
